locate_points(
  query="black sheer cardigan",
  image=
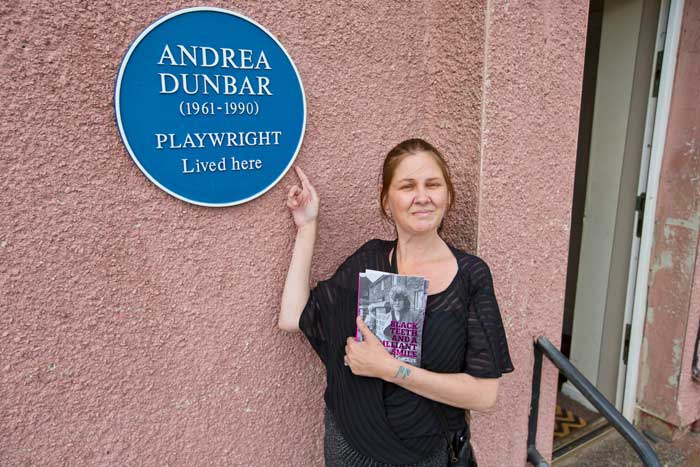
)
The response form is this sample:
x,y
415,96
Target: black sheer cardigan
x,y
463,332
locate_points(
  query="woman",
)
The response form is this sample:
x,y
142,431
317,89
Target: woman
x,y
379,410
400,304
398,308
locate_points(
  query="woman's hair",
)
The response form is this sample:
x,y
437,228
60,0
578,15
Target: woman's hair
x,y
397,154
400,292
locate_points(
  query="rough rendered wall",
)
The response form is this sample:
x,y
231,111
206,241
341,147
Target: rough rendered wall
x,y
455,29
666,390
136,329
532,94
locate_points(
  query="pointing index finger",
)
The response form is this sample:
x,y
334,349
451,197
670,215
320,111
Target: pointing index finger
x,y
304,180
301,174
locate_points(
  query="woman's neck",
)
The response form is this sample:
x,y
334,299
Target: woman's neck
x,y
416,249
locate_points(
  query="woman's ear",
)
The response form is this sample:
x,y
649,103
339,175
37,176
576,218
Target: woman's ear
x,y
383,204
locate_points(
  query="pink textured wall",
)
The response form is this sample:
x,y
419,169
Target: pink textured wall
x,y
140,330
688,389
665,386
532,94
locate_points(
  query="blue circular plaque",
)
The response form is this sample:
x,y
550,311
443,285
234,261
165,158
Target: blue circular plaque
x,y
210,106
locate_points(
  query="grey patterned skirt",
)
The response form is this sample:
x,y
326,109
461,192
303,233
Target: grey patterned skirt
x,y
338,453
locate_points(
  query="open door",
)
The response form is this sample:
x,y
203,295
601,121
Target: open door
x,y
621,75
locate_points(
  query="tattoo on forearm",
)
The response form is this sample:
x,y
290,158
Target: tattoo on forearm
x,y
402,372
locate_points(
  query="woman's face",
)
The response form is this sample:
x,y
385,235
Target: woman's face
x,y
397,304
417,197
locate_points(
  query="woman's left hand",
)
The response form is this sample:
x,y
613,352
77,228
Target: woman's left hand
x,y
367,358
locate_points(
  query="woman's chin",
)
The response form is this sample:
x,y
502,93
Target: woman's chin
x,y
421,227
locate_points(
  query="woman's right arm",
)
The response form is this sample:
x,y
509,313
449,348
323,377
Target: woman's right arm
x,y
303,203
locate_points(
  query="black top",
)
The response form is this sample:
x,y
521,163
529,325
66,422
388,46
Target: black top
x,y
462,332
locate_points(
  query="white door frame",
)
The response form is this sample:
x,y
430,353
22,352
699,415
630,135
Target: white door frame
x,y
660,42
668,70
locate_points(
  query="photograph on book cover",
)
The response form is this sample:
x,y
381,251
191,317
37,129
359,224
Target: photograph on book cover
x,y
393,307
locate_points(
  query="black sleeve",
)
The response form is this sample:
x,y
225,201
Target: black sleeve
x,y
487,354
321,321
311,321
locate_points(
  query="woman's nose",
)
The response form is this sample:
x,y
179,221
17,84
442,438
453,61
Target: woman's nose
x,y
422,196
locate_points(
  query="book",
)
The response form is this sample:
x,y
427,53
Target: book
x,y
393,308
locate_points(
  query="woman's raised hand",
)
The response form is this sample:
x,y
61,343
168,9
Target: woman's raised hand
x,y
303,201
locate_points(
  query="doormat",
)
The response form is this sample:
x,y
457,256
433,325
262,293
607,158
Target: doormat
x,y
566,422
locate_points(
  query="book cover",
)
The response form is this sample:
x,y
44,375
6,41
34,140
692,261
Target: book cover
x,y
393,307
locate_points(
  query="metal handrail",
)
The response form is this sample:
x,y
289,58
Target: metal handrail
x,y
544,347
